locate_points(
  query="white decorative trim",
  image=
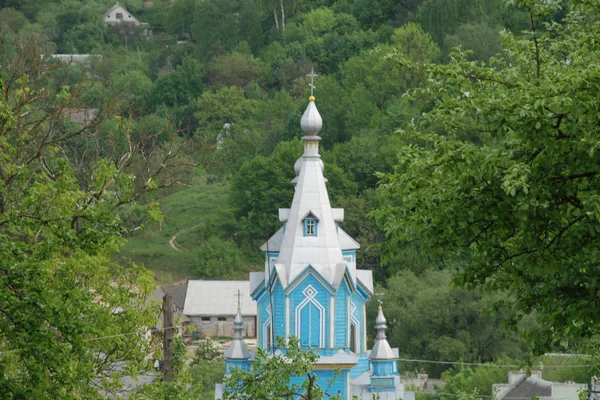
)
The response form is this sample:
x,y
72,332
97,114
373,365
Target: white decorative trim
x,y
356,323
310,293
364,318
332,322
349,327
266,325
352,309
287,318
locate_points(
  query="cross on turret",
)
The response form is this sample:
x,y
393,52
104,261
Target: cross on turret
x,y
312,77
379,296
239,301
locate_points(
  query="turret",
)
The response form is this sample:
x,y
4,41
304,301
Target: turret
x,y
237,354
384,362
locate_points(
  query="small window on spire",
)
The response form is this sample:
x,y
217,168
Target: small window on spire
x,y
310,225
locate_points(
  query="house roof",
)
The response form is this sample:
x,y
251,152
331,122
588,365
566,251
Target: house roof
x,y
117,5
526,388
218,298
178,293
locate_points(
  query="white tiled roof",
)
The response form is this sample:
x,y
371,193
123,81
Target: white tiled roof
x,y
218,298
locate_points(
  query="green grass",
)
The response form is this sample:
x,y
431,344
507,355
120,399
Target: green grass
x,y
193,215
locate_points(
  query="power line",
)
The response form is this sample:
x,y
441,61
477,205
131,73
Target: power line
x,y
490,364
102,337
486,396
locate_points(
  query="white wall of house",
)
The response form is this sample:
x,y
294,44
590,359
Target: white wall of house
x,y
118,14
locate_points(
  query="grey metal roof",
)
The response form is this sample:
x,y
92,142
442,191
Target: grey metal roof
x,y
237,350
366,277
346,241
526,388
381,349
178,293
256,278
218,298
274,242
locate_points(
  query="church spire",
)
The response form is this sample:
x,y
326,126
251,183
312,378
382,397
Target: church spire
x,y
237,350
381,348
310,239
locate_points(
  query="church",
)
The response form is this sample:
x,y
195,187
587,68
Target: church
x,y
312,289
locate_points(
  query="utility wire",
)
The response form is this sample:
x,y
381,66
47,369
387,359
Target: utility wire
x,y
103,337
490,364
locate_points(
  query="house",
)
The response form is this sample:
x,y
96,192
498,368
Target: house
x,y
212,305
118,14
312,288
520,386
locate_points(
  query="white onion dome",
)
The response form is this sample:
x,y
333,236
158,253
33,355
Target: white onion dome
x,y
311,122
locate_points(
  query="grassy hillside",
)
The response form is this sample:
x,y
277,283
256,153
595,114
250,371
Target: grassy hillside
x,y
190,215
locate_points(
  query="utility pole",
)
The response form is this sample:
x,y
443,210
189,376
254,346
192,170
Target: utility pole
x,y
168,334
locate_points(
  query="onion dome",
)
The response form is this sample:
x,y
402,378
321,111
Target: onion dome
x,y
381,348
311,122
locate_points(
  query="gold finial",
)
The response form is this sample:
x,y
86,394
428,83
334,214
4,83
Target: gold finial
x,y
311,98
379,307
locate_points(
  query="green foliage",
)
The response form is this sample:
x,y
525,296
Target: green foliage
x,y
179,87
234,69
69,314
518,208
260,188
269,377
217,257
428,319
206,351
205,375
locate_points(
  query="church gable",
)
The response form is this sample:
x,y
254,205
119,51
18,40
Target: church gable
x,y
310,311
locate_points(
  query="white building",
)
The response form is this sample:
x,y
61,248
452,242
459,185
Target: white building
x,y
212,306
520,387
118,14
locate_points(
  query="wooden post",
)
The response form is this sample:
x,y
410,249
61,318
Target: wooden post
x,y
168,334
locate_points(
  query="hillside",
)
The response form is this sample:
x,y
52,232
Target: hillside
x,y
189,215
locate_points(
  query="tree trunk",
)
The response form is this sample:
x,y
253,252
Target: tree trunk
x,y
275,18
282,16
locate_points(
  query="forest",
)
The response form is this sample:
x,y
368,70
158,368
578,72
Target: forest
x,y
459,136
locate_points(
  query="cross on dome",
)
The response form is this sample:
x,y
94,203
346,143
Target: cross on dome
x,y
312,86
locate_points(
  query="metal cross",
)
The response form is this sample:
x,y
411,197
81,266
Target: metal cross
x,y
239,301
379,296
312,76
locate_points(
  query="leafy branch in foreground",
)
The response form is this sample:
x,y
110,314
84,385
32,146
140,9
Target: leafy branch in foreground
x,y
503,178
72,323
270,376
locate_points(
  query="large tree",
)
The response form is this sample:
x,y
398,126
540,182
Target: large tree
x,y
503,177
72,323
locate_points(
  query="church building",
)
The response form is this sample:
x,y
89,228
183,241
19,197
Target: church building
x,y
311,288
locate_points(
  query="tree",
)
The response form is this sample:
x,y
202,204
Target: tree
x,y
516,207
270,376
72,322
428,319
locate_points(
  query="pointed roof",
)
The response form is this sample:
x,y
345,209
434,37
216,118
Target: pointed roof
x,y
237,350
381,349
323,252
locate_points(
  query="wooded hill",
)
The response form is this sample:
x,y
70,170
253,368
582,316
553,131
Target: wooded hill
x,y
211,97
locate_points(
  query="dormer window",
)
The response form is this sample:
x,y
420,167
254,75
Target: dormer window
x,y
310,225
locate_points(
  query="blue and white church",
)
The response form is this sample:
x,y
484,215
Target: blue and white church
x,y
311,288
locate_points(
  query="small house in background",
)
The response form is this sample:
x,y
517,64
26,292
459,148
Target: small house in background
x,y
118,14
212,305
521,386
